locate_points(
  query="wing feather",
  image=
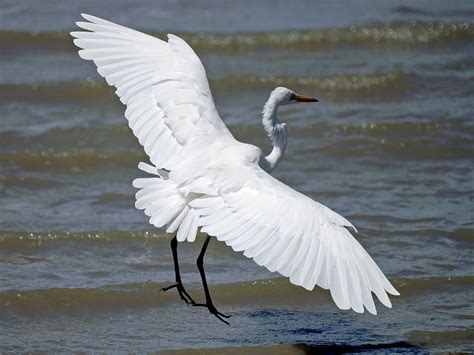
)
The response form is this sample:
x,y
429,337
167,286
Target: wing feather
x,y
235,237
163,84
290,233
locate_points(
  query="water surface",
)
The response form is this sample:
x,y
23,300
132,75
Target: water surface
x,y
389,146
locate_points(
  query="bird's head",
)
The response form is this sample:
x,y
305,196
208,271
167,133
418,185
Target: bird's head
x,y
285,96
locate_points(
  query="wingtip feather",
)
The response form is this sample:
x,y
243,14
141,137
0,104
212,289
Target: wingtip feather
x,y
372,311
390,289
77,42
88,17
394,292
75,34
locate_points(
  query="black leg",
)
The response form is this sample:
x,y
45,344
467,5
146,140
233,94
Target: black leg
x,y
210,306
179,285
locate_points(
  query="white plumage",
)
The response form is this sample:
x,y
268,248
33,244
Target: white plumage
x,y
204,178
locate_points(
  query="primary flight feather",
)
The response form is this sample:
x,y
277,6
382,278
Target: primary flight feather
x,y
203,178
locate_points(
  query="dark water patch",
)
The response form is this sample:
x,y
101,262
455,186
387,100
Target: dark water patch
x,y
411,10
399,34
307,331
400,346
270,313
452,337
306,348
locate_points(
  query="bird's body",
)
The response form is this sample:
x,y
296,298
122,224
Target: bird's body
x,y
203,178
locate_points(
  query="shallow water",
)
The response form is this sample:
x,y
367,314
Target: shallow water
x,y
389,146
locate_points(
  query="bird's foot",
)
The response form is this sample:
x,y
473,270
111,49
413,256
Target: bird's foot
x,y
213,310
181,291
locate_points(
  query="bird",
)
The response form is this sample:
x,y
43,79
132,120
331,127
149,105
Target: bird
x,y
200,178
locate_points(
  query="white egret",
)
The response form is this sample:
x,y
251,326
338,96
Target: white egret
x,y
203,178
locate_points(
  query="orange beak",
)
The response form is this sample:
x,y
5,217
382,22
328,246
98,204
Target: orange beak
x,y
302,98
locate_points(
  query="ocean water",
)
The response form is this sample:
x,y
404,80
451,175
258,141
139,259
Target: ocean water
x,y
389,146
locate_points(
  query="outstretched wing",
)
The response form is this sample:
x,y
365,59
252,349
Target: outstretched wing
x,y
163,84
288,232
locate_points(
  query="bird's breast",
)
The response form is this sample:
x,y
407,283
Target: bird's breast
x,y
237,153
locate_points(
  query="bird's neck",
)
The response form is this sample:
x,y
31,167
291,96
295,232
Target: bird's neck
x,y
277,133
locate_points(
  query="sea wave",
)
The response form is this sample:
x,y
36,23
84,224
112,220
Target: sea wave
x,y
91,161
49,152
76,161
120,135
333,87
146,294
377,86
21,240
84,90
399,33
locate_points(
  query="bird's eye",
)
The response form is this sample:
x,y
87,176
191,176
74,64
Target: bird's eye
x,y
292,97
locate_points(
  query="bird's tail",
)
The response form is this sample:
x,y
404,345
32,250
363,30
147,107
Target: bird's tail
x,y
164,204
